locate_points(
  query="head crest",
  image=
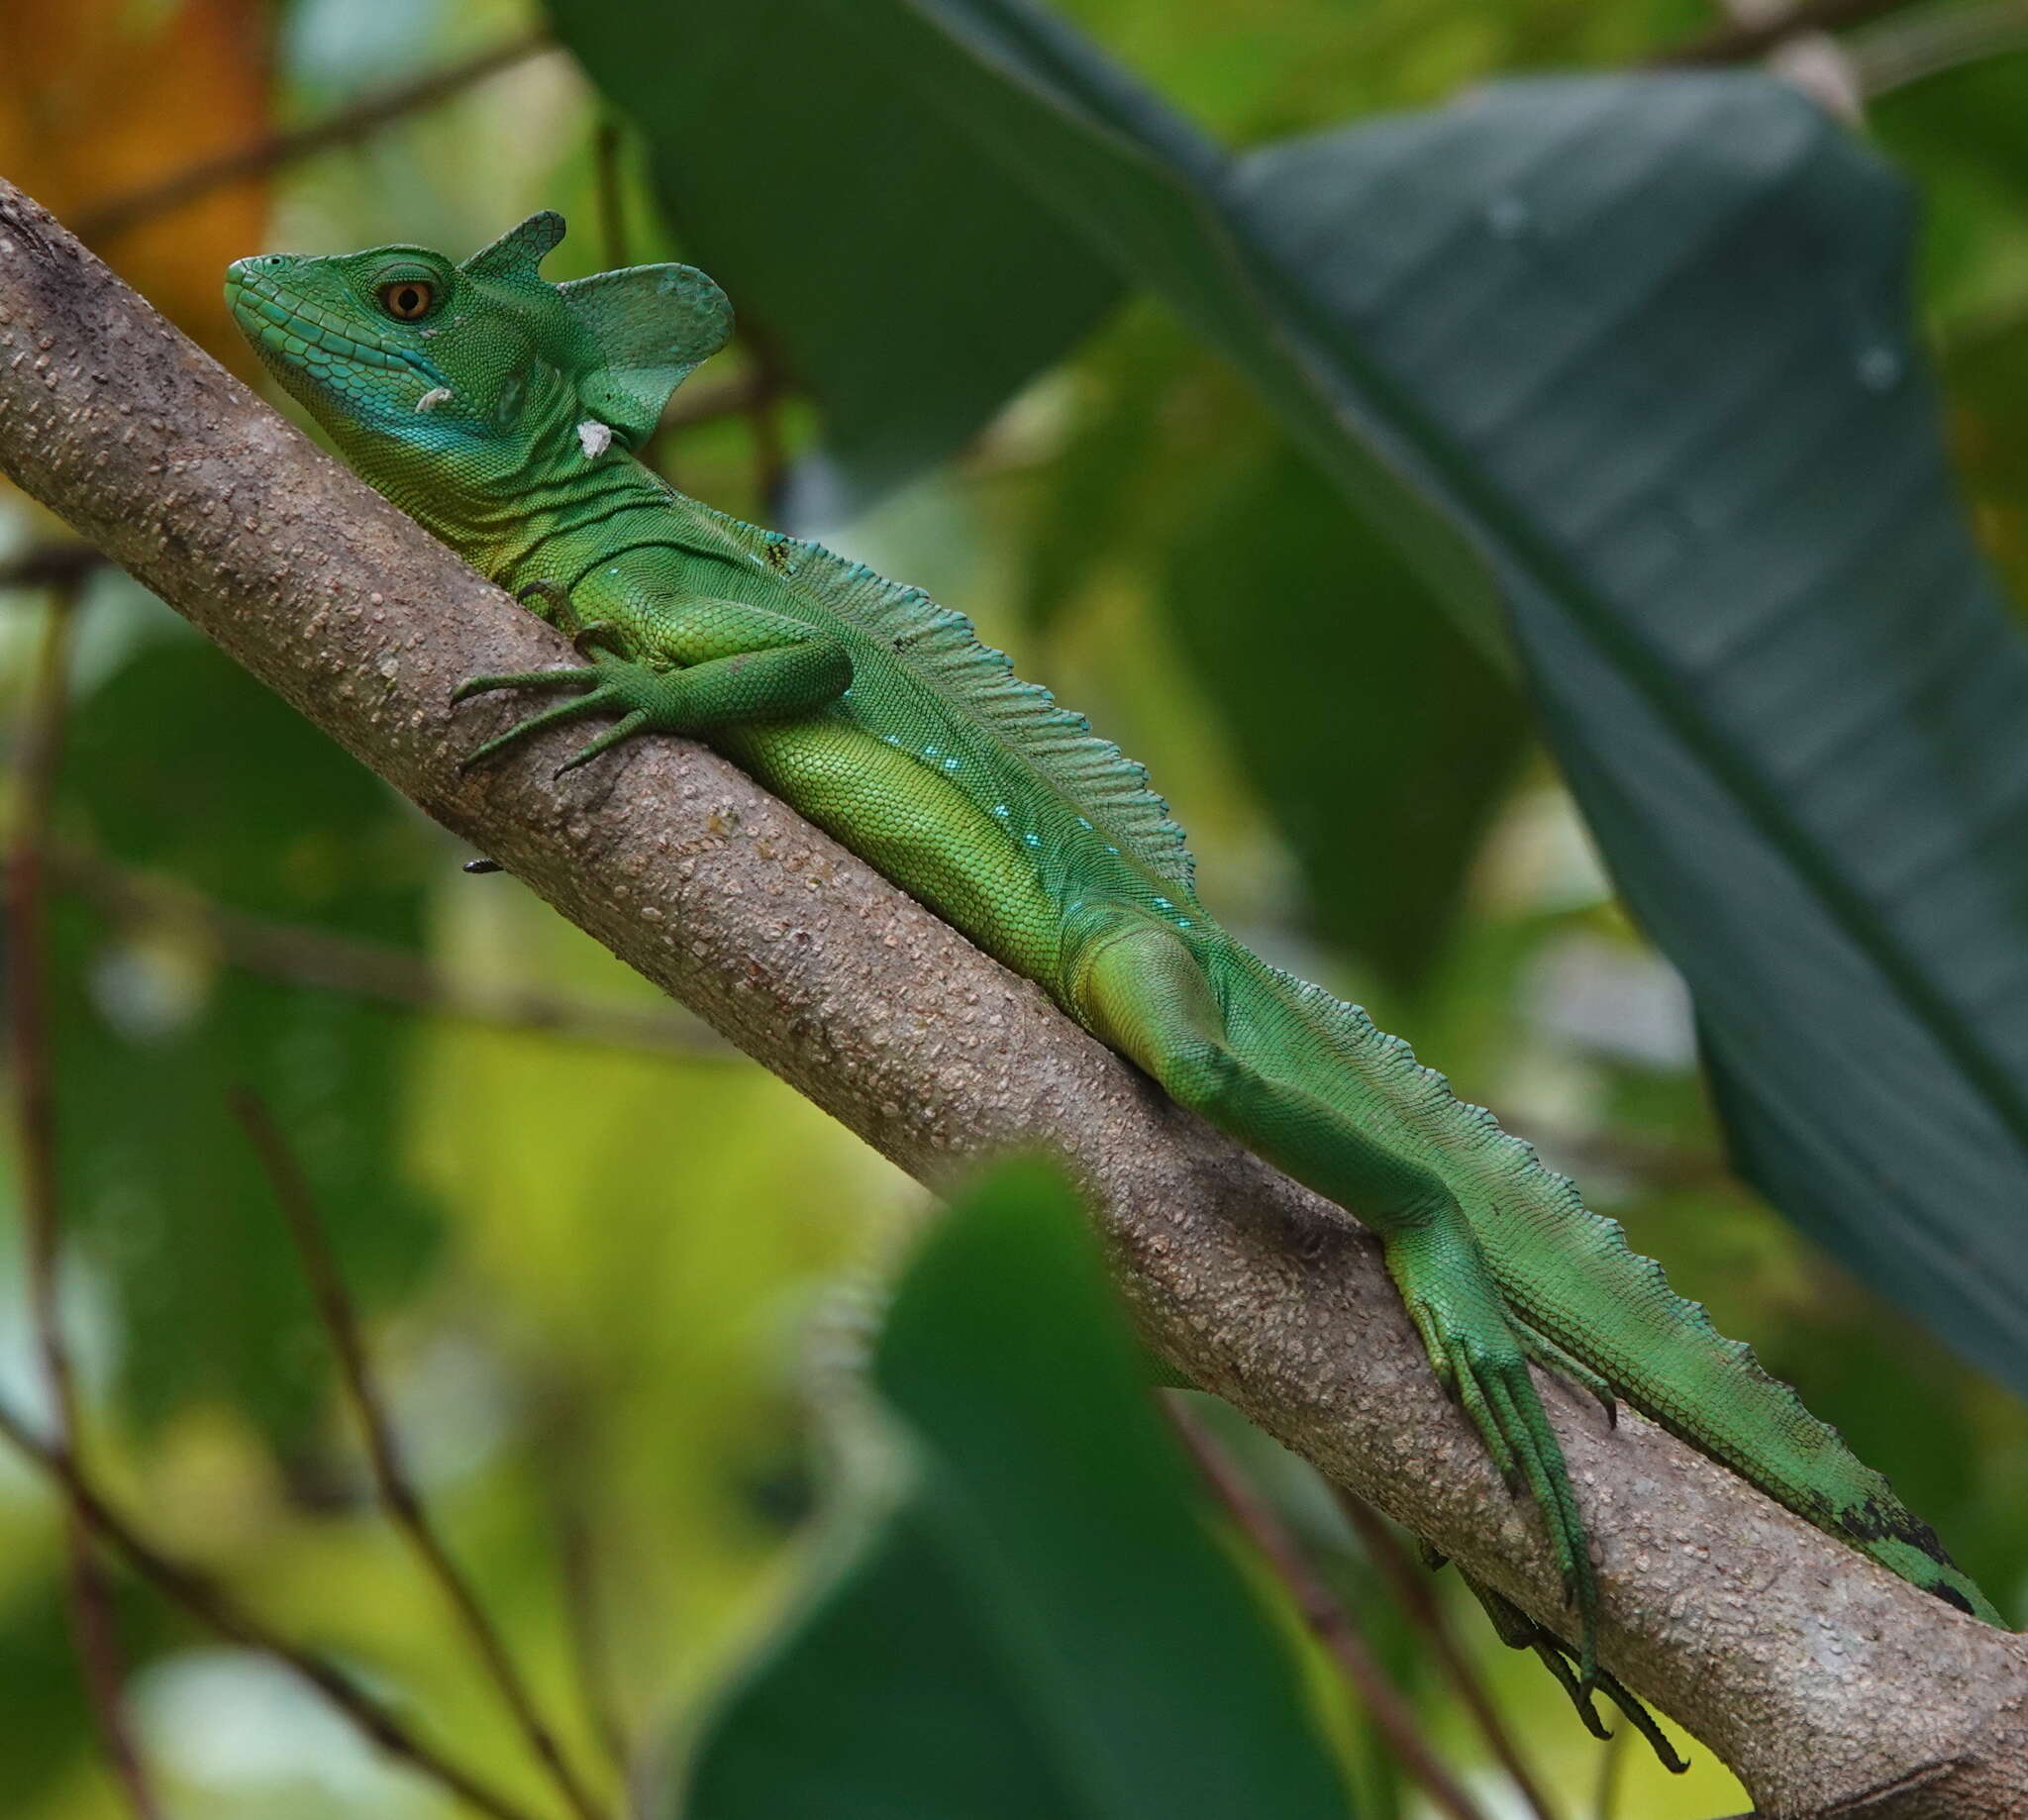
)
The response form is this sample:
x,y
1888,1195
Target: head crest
x,y
640,330
649,326
519,250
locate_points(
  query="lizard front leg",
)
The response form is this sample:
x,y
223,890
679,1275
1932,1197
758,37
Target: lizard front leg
x,y
720,662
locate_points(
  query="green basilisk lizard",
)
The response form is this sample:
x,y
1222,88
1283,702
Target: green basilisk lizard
x,y
503,412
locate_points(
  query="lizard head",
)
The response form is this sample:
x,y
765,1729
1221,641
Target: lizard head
x,y
431,374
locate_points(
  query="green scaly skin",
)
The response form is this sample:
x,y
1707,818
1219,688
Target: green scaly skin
x,y
502,411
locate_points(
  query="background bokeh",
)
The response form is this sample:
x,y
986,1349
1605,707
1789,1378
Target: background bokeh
x,y
589,1240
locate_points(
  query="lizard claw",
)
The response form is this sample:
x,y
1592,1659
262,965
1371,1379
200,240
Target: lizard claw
x,y
522,679
598,700
626,728
641,698
601,635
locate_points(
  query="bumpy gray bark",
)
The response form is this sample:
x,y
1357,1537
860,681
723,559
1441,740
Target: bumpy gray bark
x,y
1827,1683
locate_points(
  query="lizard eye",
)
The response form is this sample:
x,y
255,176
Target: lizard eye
x,y
407,298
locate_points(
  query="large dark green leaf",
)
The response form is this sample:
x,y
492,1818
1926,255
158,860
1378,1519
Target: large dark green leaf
x,y
1657,339
1371,724
908,279
1643,345
1021,1610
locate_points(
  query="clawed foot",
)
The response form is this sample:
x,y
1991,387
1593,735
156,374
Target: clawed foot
x,y
641,698
1478,1357
1521,1632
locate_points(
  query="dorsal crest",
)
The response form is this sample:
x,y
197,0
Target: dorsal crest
x,y
1092,773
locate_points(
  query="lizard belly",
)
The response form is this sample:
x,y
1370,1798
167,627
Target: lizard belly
x,y
913,828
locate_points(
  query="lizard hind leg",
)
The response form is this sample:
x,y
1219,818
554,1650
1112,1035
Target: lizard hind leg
x,y
1140,987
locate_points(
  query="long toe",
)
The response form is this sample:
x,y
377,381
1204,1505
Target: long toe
x,y
626,729
524,680
599,701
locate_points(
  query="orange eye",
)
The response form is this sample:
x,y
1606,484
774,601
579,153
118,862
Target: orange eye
x,y
407,298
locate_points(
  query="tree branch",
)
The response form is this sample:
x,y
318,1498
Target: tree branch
x,y
400,1502
345,127
1821,1678
376,1719
1327,1616
1743,39
327,962
94,1629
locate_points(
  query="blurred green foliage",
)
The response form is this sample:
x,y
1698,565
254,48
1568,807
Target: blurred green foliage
x,y
589,1272
1024,1610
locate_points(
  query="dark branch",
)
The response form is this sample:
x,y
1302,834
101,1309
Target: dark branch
x,y
94,1632
400,1502
1415,1592
1744,40
329,963
347,127
1325,1613
219,1611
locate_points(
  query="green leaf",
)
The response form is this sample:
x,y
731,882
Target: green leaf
x,y
912,288
1022,1609
1633,357
180,764
1332,665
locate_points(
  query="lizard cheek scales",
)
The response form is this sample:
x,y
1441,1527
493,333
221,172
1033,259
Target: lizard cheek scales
x,y
499,410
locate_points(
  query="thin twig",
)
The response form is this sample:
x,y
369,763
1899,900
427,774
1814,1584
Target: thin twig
x,y
764,416
211,1605
1743,41
589,1646
1413,1592
325,962
399,1499
1930,45
94,1629
1329,1621
44,566
612,204
345,127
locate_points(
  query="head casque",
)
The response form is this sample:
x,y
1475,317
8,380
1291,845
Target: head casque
x,y
434,375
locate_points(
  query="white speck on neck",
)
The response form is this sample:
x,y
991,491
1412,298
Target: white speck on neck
x,y
596,438
430,400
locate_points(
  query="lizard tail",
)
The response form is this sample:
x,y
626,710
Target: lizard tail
x,y
1569,1275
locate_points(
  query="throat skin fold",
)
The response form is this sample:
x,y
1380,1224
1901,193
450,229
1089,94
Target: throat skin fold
x,y
877,715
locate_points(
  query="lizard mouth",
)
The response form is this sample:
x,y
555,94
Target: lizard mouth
x,y
299,340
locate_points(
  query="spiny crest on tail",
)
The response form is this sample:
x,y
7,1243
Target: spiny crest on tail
x,y
1864,1511
1090,772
